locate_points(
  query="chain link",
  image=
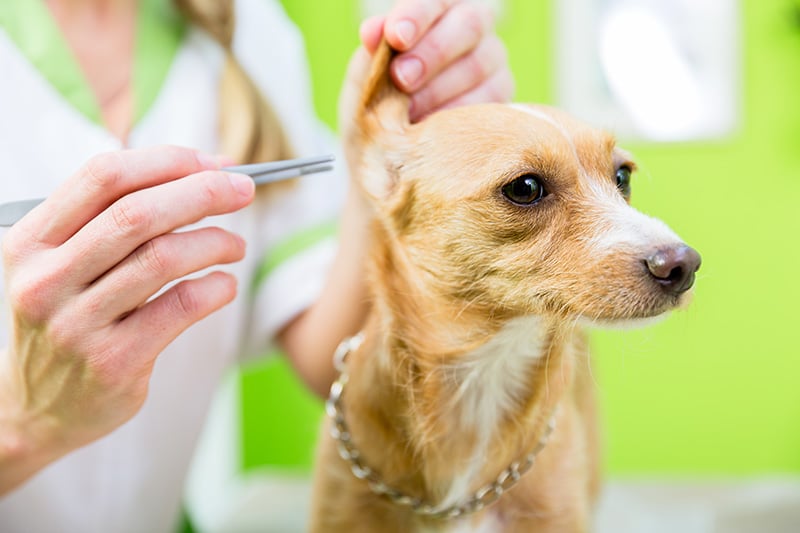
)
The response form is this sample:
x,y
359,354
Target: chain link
x,y
480,499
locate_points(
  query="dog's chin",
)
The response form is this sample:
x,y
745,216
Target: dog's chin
x,y
622,323
641,319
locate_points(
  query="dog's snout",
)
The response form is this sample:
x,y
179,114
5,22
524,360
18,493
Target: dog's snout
x,y
674,268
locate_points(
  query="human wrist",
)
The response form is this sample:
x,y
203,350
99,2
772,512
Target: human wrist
x,y
22,453
26,442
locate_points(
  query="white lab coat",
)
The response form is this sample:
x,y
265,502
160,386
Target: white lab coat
x,y
132,480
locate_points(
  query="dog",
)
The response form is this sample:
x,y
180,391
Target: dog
x,y
501,233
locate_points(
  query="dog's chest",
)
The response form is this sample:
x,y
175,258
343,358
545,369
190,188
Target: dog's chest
x,y
490,523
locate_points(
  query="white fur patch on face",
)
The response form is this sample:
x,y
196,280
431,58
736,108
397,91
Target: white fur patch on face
x,y
492,379
550,120
624,224
619,224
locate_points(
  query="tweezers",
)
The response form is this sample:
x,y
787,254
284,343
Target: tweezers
x,y
261,173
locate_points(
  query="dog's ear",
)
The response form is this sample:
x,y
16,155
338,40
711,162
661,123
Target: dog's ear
x,y
379,125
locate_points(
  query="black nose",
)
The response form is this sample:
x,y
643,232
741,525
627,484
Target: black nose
x,y
673,268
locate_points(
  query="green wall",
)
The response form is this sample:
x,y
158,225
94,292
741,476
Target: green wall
x,y
713,390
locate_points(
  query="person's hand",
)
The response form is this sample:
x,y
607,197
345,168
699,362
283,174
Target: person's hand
x,y
449,54
83,273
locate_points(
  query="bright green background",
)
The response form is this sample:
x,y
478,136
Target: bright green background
x,y
714,389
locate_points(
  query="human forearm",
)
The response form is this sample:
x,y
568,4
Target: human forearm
x,y
312,337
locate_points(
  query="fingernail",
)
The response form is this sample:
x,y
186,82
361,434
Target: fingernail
x,y
243,184
409,70
405,30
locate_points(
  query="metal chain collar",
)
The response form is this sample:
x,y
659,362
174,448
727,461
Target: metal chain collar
x,y
483,497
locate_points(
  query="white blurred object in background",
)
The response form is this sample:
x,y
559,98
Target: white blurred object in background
x,y
661,70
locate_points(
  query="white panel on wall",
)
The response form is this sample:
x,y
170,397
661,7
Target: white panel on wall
x,y
660,70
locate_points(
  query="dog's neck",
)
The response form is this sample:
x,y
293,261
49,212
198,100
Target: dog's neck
x,y
448,402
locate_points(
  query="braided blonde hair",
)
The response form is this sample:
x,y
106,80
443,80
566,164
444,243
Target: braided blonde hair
x,y
249,129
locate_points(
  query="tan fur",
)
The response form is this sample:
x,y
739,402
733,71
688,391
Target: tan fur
x,y
453,263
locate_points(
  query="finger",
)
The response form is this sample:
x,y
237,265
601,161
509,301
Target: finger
x,y
171,313
154,264
409,20
464,75
101,181
455,34
142,215
370,32
498,88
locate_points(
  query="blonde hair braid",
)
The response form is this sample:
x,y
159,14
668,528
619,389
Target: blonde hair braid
x,y
249,129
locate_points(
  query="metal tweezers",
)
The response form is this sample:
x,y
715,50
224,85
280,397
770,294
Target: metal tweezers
x,y
261,173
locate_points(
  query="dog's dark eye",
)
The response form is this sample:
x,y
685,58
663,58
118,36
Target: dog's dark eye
x,y
624,180
525,190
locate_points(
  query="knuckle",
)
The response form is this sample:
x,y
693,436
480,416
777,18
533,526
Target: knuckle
x,y
104,170
436,53
186,301
30,294
63,333
12,247
128,217
472,18
93,302
212,190
479,66
155,256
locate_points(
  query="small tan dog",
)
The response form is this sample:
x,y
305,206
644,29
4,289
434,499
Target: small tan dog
x,y
501,232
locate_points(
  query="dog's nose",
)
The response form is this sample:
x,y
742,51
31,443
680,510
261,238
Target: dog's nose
x,y
673,268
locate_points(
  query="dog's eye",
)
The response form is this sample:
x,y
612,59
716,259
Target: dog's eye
x,y
525,190
624,180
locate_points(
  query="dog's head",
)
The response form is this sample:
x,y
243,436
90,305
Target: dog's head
x,y
513,210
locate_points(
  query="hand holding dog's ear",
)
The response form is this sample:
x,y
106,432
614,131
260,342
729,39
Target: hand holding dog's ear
x,y
452,44
449,53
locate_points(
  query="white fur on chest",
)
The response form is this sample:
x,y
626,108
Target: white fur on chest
x,y
492,379
491,523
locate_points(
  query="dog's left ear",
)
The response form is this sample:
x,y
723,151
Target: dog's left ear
x,y
379,126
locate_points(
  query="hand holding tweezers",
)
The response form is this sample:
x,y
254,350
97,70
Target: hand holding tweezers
x,y
261,173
